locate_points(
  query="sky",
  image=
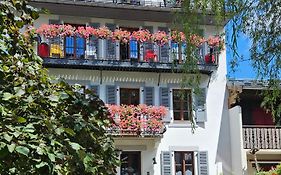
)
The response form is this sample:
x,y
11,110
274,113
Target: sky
x,y
244,69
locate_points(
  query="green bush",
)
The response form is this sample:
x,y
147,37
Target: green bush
x,y
45,128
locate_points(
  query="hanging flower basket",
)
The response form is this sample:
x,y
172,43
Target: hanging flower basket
x,y
103,33
121,35
86,32
197,40
66,30
178,36
160,38
49,31
141,35
213,41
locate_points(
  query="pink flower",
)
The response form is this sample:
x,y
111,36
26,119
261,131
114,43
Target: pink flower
x,y
160,37
103,33
121,35
196,40
213,41
141,35
178,36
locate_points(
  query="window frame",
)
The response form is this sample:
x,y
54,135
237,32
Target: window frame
x,y
128,90
183,165
74,38
181,101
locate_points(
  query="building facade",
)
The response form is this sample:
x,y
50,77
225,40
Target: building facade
x,y
255,136
133,73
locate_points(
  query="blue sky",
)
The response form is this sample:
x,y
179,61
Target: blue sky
x,y
244,69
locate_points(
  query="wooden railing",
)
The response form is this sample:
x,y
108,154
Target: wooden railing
x,y
262,137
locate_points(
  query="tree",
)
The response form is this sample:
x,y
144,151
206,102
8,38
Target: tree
x,y
45,127
260,21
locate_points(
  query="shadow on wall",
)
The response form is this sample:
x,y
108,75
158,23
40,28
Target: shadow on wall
x,y
224,142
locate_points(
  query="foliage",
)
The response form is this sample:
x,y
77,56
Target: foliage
x,y
46,127
259,20
136,118
274,171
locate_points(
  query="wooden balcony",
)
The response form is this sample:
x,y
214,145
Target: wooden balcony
x,y
262,137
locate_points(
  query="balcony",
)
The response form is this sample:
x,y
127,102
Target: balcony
x,y
109,55
262,137
137,121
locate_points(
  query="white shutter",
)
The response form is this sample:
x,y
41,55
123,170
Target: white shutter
x,y
111,45
203,163
199,104
165,101
111,94
164,50
166,163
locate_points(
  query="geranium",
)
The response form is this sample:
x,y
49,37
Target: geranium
x,y
130,118
160,37
178,36
49,31
103,33
66,30
141,35
197,40
121,35
213,41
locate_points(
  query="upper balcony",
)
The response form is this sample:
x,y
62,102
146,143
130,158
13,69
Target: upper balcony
x,y
121,50
139,10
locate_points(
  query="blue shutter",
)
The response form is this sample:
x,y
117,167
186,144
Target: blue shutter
x,y
199,103
203,163
111,94
93,45
95,89
164,50
166,163
149,95
110,45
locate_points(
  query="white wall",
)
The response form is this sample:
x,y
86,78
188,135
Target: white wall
x,y
207,137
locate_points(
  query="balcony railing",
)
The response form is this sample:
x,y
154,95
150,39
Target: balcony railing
x,y
138,121
140,3
262,137
87,53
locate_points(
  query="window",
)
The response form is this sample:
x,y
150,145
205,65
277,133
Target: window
x,y
129,96
182,104
75,46
131,163
184,163
130,50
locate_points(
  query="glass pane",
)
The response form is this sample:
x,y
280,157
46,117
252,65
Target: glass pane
x,y
188,158
188,170
133,49
177,106
177,116
186,116
69,46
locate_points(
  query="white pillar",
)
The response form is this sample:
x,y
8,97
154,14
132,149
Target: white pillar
x,y
238,155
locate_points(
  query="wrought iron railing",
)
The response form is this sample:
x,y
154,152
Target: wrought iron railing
x,y
262,137
89,49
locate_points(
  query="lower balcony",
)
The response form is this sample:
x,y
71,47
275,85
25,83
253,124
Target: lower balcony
x,y
261,137
137,121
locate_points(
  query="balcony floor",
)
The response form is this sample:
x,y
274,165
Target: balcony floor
x,y
117,65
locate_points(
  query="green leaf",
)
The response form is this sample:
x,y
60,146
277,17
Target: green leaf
x,y
7,96
22,150
21,120
69,131
40,165
54,98
11,147
8,137
52,157
40,151
75,146
20,92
